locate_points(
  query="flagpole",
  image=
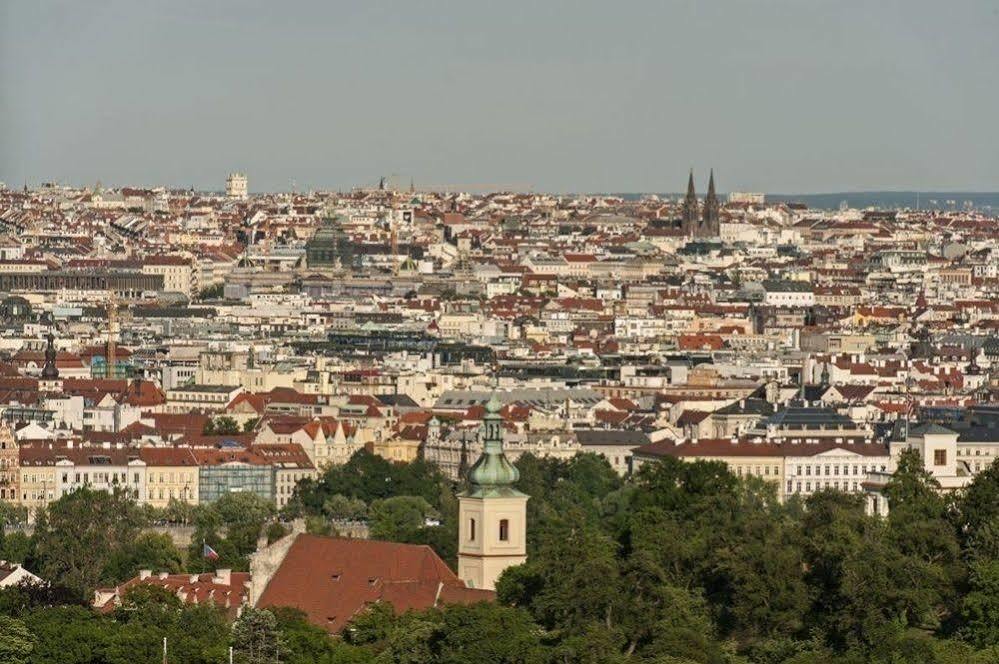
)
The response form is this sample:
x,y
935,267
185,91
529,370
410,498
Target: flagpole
x,y
164,650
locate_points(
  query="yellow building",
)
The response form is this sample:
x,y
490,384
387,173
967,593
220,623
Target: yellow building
x,y
743,457
397,448
171,473
38,476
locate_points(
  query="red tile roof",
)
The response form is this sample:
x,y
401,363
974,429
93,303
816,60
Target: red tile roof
x,y
332,579
191,589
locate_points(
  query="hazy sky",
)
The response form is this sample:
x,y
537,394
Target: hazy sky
x,y
779,96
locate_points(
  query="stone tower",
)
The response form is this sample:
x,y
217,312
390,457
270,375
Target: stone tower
x,y
689,218
711,221
492,530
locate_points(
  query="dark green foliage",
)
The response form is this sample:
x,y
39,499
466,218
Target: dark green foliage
x,y
231,526
80,534
368,477
16,641
393,497
149,550
223,425
683,563
257,639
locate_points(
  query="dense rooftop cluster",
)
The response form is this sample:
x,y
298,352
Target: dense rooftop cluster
x,y
183,346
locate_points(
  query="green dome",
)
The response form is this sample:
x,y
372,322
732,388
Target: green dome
x,y
493,470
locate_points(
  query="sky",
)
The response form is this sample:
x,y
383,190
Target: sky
x,y
792,96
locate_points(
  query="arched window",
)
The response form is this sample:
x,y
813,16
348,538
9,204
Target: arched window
x,y
504,530
471,530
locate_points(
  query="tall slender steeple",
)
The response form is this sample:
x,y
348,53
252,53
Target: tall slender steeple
x,y
689,219
492,515
711,222
49,371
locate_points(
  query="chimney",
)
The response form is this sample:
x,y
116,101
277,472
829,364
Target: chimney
x,y
145,574
223,577
69,444
193,578
162,575
693,440
734,440
742,404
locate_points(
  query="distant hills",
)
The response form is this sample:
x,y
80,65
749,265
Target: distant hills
x,y
927,200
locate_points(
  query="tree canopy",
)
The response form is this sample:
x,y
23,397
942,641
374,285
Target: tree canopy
x,y
680,563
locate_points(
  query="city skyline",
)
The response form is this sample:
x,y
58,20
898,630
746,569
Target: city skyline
x,y
780,97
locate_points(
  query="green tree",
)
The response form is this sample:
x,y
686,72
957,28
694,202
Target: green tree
x,y
256,638
396,518
369,477
178,511
221,426
79,534
833,529
341,507
69,635
12,515
149,550
307,643
275,531
148,614
231,526
978,505
980,606
16,641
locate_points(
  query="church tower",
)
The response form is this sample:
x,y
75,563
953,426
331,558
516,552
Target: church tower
x,y
689,220
49,381
711,222
492,530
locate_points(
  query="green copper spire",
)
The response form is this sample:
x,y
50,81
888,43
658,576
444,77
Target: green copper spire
x,y
493,474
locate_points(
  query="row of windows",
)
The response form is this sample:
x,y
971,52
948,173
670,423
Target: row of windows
x,y
835,484
504,530
833,469
169,493
977,453
100,478
760,470
168,477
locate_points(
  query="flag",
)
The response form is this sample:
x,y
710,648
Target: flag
x,y
209,552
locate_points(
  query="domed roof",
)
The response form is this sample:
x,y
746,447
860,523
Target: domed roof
x,y
493,470
492,474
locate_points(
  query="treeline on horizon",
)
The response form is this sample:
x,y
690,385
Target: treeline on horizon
x,y
683,563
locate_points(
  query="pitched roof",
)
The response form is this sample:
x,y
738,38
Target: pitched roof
x,y
191,589
332,579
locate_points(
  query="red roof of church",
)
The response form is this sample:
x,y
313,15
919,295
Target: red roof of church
x,y
333,579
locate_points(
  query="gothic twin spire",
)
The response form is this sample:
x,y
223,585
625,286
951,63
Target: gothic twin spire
x,y
708,223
